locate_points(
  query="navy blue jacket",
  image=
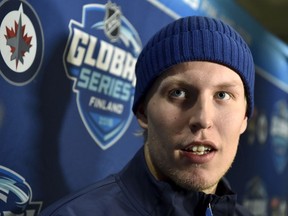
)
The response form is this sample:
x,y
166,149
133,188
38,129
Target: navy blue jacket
x,y
135,192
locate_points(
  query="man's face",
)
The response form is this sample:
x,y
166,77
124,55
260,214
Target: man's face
x,y
194,115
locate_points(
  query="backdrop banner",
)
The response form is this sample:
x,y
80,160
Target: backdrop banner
x,y
66,90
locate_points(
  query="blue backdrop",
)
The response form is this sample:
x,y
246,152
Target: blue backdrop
x,y
66,88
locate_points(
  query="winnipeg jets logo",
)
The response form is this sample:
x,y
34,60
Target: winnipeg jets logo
x,y
21,42
18,42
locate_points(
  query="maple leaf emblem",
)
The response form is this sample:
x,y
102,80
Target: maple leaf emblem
x,y
18,41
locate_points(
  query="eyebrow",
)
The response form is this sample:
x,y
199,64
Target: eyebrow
x,y
225,84
230,84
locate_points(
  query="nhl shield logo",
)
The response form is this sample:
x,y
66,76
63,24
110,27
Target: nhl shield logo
x,y
112,21
100,58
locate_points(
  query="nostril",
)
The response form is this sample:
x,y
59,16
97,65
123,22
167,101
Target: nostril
x,y
200,125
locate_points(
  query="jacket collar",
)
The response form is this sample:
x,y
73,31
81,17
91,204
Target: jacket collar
x,y
153,197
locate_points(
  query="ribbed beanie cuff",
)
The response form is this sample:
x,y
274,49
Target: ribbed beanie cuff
x,y
194,38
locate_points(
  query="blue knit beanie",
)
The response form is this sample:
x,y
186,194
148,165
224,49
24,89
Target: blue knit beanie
x,y
194,38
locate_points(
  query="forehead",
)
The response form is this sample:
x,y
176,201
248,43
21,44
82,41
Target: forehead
x,y
201,72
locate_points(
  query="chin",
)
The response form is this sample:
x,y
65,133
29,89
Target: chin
x,y
195,181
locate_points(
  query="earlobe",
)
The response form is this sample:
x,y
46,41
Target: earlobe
x,y
141,116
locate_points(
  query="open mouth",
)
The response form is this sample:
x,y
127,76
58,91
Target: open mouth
x,y
199,149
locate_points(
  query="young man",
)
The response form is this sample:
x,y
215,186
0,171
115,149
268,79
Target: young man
x,y
193,98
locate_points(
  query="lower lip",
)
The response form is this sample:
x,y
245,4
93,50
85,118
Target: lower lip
x,y
198,159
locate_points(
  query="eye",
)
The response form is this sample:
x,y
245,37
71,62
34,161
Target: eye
x,y
178,93
223,95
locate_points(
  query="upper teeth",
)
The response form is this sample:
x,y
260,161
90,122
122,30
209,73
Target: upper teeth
x,y
201,149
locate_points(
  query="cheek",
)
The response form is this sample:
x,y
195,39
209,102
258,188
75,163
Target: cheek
x,y
155,112
159,121
162,123
165,118
230,128
234,119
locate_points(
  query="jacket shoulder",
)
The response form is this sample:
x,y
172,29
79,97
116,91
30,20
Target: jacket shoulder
x,y
241,211
98,198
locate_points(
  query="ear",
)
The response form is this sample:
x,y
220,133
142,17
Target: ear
x,y
244,125
141,116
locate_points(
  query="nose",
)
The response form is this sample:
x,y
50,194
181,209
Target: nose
x,y
201,114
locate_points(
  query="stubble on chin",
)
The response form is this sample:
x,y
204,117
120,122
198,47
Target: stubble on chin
x,y
188,180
